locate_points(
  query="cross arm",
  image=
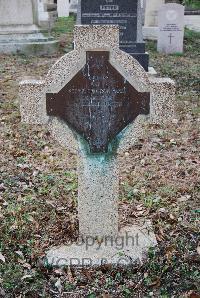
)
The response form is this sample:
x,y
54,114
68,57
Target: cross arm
x,y
33,111
33,102
163,92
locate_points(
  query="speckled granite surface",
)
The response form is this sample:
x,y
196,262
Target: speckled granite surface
x,y
98,178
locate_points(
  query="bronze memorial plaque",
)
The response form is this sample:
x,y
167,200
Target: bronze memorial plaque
x,y
98,103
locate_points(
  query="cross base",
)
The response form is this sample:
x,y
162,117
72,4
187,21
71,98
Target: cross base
x,y
127,248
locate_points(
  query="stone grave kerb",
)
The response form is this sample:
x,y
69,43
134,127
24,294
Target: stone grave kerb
x,y
98,177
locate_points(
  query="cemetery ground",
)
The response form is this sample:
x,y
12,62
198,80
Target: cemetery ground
x,y
159,180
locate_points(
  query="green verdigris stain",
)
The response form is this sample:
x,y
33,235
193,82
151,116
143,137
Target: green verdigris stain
x,y
112,150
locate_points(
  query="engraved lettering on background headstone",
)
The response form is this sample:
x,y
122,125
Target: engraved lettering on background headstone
x,y
109,7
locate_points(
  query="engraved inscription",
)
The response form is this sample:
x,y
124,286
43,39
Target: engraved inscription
x,y
109,7
171,27
98,102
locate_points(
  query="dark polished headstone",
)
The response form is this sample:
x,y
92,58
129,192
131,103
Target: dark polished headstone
x,y
127,14
98,97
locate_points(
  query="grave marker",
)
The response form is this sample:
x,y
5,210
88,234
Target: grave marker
x,y
95,100
63,8
151,13
19,30
171,28
73,6
150,29
127,14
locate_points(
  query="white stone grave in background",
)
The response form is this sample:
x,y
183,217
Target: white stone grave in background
x,y
73,6
192,22
43,16
46,18
63,8
171,28
150,29
19,31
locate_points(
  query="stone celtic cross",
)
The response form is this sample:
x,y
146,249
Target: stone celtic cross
x,y
98,97
94,101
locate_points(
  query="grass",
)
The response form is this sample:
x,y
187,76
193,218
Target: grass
x,y
64,25
159,181
195,4
63,30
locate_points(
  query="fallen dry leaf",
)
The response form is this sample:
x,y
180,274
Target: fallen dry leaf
x,y
2,258
155,283
28,276
106,295
70,276
59,272
192,294
27,265
58,285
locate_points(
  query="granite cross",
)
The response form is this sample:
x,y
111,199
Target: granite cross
x,y
98,97
95,100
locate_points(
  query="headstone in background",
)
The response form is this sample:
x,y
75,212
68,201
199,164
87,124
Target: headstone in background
x,y
19,31
47,14
151,14
95,101
51,8
150,29
15,12
127,14
171,28
63,8
73,6
192,19
43,15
